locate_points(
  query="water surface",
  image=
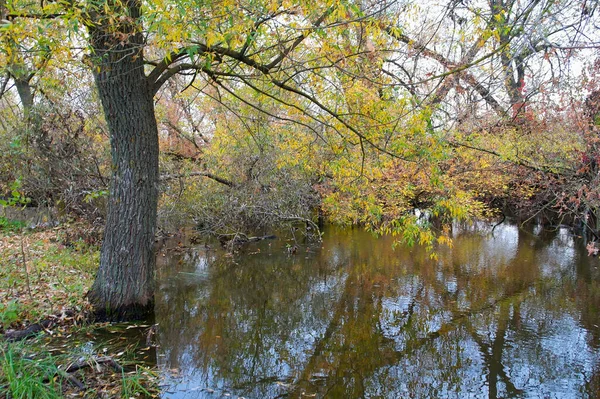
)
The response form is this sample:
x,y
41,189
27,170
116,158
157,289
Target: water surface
x,y
508,314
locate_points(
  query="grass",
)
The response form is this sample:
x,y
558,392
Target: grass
x,y
40,275
43,273
27,377
7,225
135,384
29,371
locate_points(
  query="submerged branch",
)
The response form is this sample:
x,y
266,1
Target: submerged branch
x,y
94,361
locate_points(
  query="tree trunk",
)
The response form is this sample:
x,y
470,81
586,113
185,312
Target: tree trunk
x,y
124,285
17,71
513,64
25,94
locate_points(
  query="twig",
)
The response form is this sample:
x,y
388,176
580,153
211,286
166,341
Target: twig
x,y
151,333
294,235
98,360
25,267
72,379
301,219
542,209
204,174
499,223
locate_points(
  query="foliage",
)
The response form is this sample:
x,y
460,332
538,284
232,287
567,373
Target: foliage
x,y
267,177
374,113
32,371
62,162
9,313
137,383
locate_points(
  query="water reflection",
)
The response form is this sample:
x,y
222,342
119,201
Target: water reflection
x,y
513,314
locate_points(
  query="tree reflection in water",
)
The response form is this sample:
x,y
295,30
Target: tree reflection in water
x,y
511,314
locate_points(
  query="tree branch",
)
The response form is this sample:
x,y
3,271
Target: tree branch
x,y
257,25
4,83
163,73
484,92
519,162
299,40
453,68
216,178
13,16
163,65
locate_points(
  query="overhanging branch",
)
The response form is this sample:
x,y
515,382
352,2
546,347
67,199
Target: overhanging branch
x,y
166,69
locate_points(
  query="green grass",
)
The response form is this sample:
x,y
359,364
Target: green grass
x,y
13,226
56,277
29,371
42,273
133,385
9,313
25,377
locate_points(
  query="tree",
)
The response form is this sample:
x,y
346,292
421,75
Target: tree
x,y
253,44
125,281
507,52
337,70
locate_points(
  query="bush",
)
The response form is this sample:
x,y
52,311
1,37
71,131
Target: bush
x,y
60,160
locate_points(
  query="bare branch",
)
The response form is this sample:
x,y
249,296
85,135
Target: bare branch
x,y
214,177
163,65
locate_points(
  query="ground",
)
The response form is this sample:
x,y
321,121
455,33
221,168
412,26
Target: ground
x,y
44,275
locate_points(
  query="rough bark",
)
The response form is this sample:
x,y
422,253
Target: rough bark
x,y
124,285
514,85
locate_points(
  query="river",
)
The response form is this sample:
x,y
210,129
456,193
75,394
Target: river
x,y
509,313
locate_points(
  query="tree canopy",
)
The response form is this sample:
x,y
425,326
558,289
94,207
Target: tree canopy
x,y
402,116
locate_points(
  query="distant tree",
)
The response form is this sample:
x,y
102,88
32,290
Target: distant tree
x,y
502,52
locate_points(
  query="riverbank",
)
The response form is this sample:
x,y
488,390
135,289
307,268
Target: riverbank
x,y
44,277
45,272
